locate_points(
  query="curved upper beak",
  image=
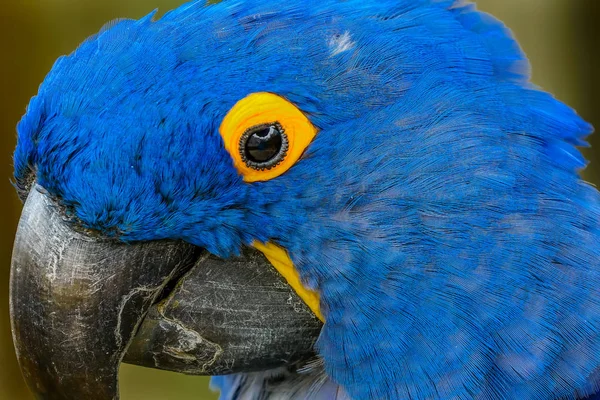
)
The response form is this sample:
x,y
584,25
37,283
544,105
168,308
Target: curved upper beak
x,y
77,302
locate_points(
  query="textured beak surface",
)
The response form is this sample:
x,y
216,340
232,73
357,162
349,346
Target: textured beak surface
x,y
76,301
78,308
227,316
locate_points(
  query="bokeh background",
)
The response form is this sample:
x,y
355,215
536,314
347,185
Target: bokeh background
x,y
562,38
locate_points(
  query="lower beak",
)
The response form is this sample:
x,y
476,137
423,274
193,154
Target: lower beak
x,y
76,301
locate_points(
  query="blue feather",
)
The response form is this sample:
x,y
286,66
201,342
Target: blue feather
x,y
311,383
438,212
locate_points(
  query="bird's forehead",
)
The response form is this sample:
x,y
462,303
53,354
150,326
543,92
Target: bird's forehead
x,y
201,63
333,60
102,110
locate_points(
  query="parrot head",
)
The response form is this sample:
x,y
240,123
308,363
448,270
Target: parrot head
x,y
390,159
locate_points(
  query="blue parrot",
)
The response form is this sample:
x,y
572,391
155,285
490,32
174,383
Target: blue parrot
x,y
391,159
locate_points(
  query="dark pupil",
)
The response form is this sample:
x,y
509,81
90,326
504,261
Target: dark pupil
x,y
263,144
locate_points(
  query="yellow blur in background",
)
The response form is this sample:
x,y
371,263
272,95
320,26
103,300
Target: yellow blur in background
x,y
561,37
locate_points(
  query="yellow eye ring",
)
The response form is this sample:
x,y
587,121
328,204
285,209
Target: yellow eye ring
x,y
265,135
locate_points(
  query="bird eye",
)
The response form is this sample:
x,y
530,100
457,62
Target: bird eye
x,y
265,135
264,146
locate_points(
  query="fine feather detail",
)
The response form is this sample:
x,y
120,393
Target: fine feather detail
x,y
287,383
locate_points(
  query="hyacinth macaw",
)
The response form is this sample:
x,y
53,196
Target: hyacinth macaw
x,y
390,159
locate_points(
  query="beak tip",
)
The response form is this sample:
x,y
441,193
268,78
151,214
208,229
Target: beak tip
x,y
77,301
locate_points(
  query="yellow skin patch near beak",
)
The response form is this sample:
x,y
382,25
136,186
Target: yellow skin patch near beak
x,y
282,262
256,110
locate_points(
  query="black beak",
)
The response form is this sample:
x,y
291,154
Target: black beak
x,y
77,303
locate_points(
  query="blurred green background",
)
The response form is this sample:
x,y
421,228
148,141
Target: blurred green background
x,y
562,38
